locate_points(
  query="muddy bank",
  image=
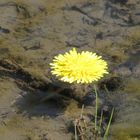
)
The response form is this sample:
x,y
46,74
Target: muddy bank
x,y
33,32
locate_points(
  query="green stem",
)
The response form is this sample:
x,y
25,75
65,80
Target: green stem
x,y
96,113
101,118
75,128
108,126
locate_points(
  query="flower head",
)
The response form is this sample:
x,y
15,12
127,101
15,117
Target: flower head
x,y
84,67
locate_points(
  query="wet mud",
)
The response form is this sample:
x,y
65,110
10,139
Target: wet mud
x,y
34,105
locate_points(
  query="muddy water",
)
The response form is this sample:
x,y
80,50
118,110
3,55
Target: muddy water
x,y
32,32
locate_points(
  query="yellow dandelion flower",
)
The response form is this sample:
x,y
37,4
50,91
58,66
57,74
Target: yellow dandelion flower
x,y
84,67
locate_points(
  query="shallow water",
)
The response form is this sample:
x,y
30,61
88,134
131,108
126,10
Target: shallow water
x,y
32,32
